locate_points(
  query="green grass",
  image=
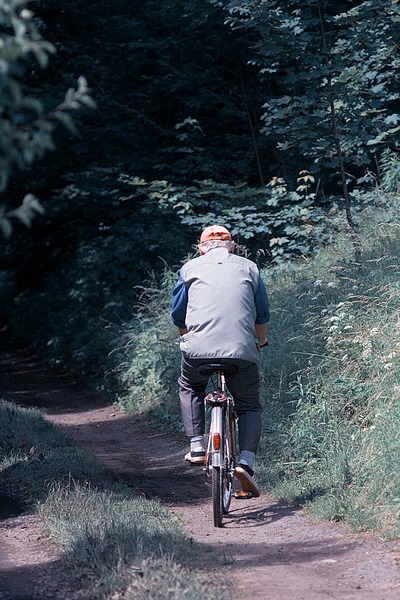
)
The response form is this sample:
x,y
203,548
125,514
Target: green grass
x,y
338,446
124,544
112,542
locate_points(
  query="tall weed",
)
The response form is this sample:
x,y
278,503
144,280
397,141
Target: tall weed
x,y
341,456
149,358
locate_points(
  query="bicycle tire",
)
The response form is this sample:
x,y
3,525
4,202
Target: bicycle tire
x,y
216,484
217,462
228,465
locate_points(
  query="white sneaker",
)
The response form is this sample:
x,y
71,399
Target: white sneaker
x,y
196,458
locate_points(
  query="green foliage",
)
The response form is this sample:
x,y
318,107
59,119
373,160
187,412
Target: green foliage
x,y
25,213
268,220
191,130
330,70
390,168
119,228
90,287
337,442
197,116
26,128
148,360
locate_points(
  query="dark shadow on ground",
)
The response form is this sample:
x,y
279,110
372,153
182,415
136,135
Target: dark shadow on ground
x,y
25,381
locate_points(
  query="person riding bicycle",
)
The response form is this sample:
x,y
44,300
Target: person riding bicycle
x,y
221,309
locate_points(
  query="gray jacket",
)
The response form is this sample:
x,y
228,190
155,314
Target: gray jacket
x,y
218,298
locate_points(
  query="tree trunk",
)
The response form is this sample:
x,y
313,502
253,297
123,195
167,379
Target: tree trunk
x,y
336,135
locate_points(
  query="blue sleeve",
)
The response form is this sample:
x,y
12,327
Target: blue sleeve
x,y
262,303
179,303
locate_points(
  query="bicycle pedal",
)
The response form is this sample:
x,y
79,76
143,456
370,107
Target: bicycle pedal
x,y
243,495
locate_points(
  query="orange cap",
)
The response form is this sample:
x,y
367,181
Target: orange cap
x,y
215,232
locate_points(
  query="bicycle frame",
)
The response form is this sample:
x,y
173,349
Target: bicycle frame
x,y
218,401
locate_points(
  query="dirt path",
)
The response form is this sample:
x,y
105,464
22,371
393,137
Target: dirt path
x,y
275,552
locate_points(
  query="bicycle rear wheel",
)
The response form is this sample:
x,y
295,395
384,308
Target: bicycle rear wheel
x,y
217,495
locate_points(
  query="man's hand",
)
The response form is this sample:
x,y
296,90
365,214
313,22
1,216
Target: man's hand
x,y
261,333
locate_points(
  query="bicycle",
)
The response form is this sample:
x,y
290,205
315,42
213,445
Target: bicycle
x,y
220,459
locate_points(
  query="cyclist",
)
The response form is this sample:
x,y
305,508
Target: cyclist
x,y
221,309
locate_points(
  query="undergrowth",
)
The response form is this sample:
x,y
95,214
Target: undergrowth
x,y
339,445
148,360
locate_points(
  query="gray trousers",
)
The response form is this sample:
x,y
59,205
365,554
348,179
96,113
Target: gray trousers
x,y
244,387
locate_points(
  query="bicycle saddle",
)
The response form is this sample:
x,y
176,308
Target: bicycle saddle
x,y
207,369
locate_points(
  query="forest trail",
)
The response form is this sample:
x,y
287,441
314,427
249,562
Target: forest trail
x,y
272,550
